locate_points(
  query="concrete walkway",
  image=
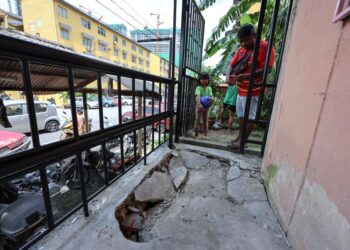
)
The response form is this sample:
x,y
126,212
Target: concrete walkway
x,y
222,205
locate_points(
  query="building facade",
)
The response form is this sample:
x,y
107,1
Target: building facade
x,y
63,23
120,28
306,161
161,48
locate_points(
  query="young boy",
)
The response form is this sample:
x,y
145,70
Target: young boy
x,y
229,102
202,113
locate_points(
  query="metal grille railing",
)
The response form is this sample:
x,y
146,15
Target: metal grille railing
x,y
159,90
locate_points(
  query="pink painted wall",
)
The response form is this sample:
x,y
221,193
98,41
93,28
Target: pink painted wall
x,y
310,135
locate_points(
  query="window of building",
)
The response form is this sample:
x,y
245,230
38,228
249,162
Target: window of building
x,y
141,51
147,54
101,31
62,12
87,44
64,34
133,47
124,55
140,61
115,38
133,58
85,23
147,63
124,42
116,52
102,47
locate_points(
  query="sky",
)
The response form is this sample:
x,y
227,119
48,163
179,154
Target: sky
x,y
137,14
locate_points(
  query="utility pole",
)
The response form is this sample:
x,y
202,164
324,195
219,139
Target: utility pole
x,y
158,24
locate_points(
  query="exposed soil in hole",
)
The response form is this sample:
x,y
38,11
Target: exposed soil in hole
x,y
201,200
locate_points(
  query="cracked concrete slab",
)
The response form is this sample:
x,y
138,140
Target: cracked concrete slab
x,y
156,188
246,189
199,217
193,160
233,174
177,171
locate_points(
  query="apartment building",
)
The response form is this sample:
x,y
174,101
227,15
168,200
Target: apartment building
x,y
61,22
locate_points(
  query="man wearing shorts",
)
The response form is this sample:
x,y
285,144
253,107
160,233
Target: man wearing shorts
x,y
246,37
230,103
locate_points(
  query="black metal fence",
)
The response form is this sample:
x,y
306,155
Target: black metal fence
x,y
149,127
192,35
264,85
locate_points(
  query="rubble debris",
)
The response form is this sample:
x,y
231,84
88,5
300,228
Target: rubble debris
x,y
178,172
233,173
193,160
154,189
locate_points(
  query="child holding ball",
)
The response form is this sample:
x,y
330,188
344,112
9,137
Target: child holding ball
x,y
204,98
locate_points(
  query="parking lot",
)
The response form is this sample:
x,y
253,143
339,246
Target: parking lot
x,y
111,113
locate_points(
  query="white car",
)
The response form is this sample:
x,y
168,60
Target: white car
x,y
46,116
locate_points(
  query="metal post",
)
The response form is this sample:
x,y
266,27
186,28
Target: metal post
x,y
152,115
172,85
252,74
268,56
121,138
35,138
182,70
100,109
86,115
144,129
278,68
134,118
82,183
72,101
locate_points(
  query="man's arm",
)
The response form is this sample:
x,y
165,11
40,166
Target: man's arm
x,y
228,73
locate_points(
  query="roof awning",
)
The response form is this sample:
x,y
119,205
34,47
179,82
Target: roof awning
x,y
103,42
65,26
87,36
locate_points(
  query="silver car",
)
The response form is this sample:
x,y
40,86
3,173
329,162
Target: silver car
x,y
46,116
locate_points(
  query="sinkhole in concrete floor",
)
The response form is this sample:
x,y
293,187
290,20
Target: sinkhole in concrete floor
x,y
201,200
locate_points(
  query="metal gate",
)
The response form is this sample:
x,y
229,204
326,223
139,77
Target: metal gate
x,y
264,85
192,34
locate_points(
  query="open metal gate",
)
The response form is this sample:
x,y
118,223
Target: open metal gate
x,y
264,84
192,34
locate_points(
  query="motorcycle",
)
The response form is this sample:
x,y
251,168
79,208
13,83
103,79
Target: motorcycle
x,y
22,215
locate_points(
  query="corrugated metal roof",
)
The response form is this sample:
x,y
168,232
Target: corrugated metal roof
x,y
47,79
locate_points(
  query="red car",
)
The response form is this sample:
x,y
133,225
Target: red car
x,y
162,126
13,142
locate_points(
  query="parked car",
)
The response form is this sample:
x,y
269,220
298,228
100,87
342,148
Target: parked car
x,y
46,116
127,116
126,100
12,142
106,102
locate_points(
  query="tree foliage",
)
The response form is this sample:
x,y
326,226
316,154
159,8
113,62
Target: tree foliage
x,y
223,37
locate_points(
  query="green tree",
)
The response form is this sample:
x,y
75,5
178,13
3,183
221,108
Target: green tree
x,y
223,37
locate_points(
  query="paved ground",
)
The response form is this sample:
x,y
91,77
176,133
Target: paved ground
x,y
223,136
221,206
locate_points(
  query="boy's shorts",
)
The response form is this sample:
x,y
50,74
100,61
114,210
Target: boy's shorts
x,y
241,102
231,107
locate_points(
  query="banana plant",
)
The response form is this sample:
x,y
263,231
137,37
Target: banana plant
x,y
223,38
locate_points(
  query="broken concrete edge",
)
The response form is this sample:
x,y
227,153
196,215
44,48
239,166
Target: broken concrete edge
x,y
216,145
111,198
221,155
